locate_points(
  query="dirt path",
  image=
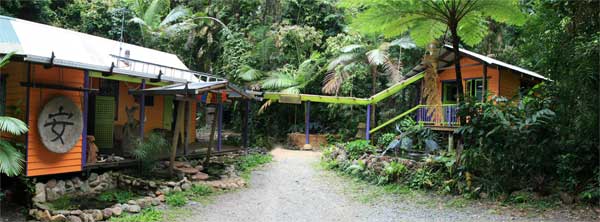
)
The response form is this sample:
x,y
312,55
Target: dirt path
x,y
292,188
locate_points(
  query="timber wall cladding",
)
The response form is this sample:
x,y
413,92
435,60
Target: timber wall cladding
x,y
15,73
40,161
470,72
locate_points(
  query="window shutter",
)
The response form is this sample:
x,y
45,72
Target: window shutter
x,y
104,126
168,112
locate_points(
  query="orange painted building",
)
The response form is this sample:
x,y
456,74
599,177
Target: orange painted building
x,y
503,80
104,79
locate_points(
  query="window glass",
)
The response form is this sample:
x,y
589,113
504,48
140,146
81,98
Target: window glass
x,y
475,88
449,92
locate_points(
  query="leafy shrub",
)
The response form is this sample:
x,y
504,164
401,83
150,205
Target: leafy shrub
x,y
201,190
414,135
395,170
148,151
176,199
147,215
508,145
385,139
357,148
120,196
423,179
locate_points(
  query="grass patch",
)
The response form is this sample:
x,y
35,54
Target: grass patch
x,y
247,163
63,203
457,203
147,215
120,196
176,199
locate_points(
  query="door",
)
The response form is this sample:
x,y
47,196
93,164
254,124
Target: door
x,y
104,118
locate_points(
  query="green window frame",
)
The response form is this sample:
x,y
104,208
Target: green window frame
x,y
449,92
475,88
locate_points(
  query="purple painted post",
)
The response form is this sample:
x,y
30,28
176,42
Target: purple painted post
x,y
142,109
367,134
220,125
307,122
86,85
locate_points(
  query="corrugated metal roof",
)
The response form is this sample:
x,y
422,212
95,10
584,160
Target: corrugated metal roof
x,y
37,42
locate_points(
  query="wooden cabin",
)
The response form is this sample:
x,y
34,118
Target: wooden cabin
x,y
68,85
503,79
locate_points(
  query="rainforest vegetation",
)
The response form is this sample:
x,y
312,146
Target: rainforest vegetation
x,y
547,142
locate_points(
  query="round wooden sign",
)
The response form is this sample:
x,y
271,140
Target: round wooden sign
x,y
60,124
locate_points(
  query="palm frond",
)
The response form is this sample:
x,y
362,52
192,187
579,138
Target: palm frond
x,y
333,81
6,59
152,14
265,106
175,14
377,56
11,160
138,21
12,125
405,42
278,80
351,48
472,29
250,74
342,59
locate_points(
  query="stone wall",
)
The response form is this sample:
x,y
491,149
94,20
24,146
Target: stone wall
x,y
54,189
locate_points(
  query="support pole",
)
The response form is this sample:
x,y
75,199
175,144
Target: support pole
x,y
142,109
245,115
368,128
307,125
86,84
220,124
186,129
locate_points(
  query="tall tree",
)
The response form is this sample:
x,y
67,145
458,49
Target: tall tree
x,y
427,20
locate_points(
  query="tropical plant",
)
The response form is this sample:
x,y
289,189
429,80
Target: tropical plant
x,y
339,68
148,151
430,19
357,148
11,159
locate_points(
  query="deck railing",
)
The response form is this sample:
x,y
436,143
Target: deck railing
x,y
448,116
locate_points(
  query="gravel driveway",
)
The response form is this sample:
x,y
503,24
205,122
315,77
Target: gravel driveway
x,y
292,188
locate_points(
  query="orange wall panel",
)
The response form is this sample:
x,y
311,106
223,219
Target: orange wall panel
x,y
469,72
509,84
40,161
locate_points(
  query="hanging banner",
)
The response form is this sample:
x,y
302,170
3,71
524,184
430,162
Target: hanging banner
x,y
60,124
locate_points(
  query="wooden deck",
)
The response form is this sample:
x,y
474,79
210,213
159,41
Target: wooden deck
x,y
195,150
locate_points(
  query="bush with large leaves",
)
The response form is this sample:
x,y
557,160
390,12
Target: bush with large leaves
x,y
11,159
510,145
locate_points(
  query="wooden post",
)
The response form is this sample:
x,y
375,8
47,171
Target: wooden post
x,y
186,128
367,134
84,144
176,134
211,138
142,109
220,126
245,113
451,142
484,82
307,124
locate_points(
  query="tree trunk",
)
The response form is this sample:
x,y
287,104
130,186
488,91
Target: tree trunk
x,y
176,134
455,49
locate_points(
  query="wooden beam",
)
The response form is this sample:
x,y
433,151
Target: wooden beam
x,y
55,86
124,78
462,66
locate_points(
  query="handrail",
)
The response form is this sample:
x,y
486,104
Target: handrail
x,y
350,100
395,118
